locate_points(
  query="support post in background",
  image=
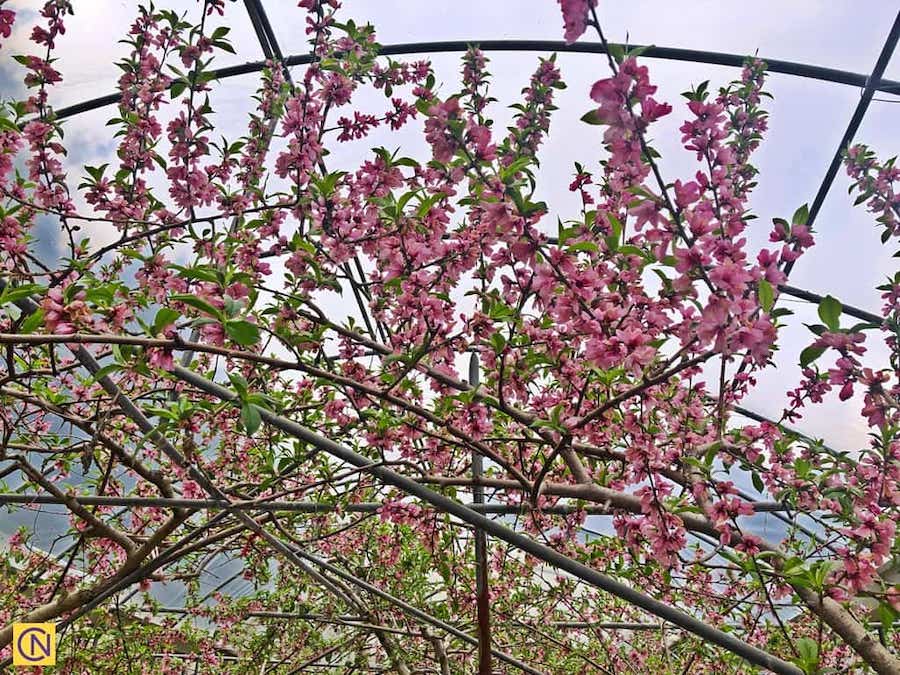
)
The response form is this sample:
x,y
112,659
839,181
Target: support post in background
x,y
482,595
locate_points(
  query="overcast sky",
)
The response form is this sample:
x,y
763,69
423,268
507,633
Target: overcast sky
x,y
807,117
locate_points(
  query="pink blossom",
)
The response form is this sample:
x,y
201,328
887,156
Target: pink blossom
x,y
64,316
438,131
7,18
191,490
160,358
575,17
686,193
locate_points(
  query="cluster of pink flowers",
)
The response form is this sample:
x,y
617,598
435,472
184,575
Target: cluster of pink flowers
x,y
617,97
144,86
660,529
45,166
301,123
576,14
54,12
723,134
191,183
10,143
474,79
400,512
532,123
7,19
66,313
706,131
45,163
271,105
725,511
401,113
877,184
395,75
358,127
399,73
12,240
443,129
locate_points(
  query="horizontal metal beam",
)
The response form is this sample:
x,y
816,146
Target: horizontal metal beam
x,y
815,298
311,616
304,616
667,53
314,507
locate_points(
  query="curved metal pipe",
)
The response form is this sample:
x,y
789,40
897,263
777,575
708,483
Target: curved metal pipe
x,y
668,53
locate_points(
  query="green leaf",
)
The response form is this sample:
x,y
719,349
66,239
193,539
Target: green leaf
x,y
887,615
96,172
327,184
816,328
830,311
534,207
240,383
637,51
424,106
810,354
592,117
617,52
164,317
106,370
758,483
615,225
243,332
517,198
33,322
16,293
250,419
631,250
766,295
507,173
177,88
585,246
102,296
801,215
202,272
778,312
808,649
498,341
232,307
566,233
225,46
196,302
260,400
426,204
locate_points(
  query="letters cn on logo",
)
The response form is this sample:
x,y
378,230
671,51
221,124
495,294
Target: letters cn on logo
x,y
34,644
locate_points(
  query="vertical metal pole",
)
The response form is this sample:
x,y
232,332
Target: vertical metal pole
x,y
482,597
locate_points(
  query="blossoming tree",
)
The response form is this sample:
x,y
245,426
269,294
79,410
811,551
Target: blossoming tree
x,y
193,393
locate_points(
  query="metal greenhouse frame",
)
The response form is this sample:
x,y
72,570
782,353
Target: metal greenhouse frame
x,y
476,514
